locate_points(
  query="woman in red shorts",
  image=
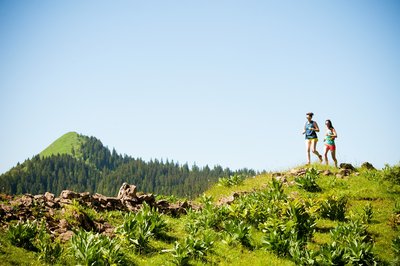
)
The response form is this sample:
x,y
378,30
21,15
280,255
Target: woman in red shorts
x,y
330,137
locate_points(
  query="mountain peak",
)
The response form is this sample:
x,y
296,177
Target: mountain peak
x,y
69,143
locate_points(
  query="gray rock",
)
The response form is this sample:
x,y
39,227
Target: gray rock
x,y
327,173
49,196
66,236
85,196
148,198
347,166
68,194
345,172
127,192
368,166
339,176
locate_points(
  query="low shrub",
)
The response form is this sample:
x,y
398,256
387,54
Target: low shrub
x,y
345,232
192,247
253,208
334,207
237,232
49,251
304,222
280,236
256,207
233,180
396,247
89,248
275,191
199,247
136,231
368,213
138,228
112,252
156,220
209,217
303,256
33,236
308,181
332,254
392,173
180,254
85,247
351,244
289,231
23,234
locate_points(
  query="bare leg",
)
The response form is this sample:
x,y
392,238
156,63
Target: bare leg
x,y
308,145
333,153
326,155
314,150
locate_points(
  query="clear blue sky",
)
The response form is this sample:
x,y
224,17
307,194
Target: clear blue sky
x,y
210,82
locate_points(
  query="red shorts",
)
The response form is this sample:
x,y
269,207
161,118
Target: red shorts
x,y
330,147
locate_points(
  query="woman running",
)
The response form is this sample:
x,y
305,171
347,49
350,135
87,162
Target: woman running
x,y
310,130
330,137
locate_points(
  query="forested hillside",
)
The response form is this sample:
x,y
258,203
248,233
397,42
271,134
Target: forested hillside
x,y
83,163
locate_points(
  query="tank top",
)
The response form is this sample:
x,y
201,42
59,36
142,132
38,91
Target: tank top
x,y
328,139
310,134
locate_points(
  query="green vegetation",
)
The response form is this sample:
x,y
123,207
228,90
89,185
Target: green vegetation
x,y
392,173
81,163
192,248
138,229
88,248
333,207
70,143
349,221
233,180
23,234
309,180
31,236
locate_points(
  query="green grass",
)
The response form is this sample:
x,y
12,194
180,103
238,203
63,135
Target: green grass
x,y
249,184
69,143
11,255
223,254
368,188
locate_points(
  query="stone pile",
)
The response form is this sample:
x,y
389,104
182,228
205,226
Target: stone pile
x,y
45,206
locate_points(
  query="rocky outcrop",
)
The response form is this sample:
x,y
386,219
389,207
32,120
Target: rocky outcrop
x,y
327,173
45,206
298,172
368,166
127,200
346,169
127,192
347,166
228,200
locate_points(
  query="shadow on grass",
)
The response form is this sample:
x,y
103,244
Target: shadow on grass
x,y
167,238
323,230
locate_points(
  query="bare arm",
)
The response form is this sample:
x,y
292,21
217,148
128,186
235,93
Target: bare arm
x,y
315,128
334,134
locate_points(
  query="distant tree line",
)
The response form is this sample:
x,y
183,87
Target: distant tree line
x,y
97,169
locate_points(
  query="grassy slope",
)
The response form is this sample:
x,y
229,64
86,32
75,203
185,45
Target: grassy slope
x,y
10,255
367,188
66,144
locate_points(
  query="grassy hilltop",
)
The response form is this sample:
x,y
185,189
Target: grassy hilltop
x,y
69,143
322,216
